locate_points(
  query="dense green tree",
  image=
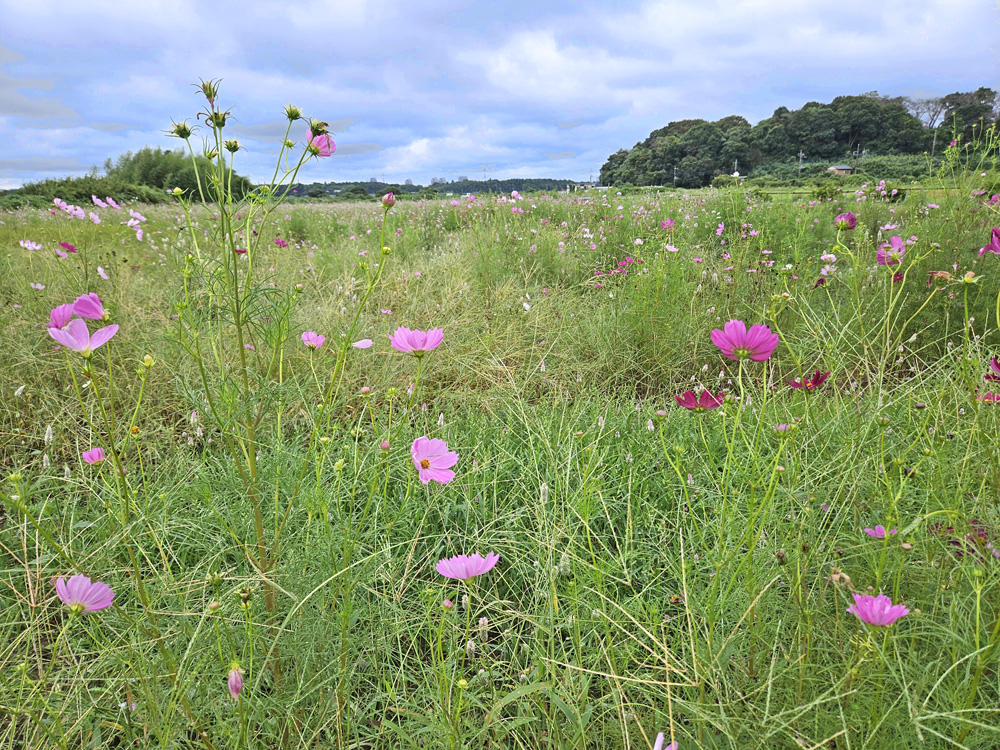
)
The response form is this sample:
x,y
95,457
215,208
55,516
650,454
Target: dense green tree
x,y
695,150
166,170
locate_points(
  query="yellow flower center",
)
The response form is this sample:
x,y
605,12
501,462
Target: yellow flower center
x,y
424,463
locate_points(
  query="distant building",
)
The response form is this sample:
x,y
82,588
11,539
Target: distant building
x,y
373,179
840,169
463,178
408,182
581,186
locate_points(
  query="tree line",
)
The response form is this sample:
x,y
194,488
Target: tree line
x,y
690,153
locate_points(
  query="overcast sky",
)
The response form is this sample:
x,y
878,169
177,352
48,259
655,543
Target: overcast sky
x,y
445,88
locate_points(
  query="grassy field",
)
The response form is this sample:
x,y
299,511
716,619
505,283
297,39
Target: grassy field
x,y
264,528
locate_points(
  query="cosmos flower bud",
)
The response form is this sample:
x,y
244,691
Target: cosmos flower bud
x,y
218,119
232,145
210,89
317,127
293,113
181,130
235,681
388,200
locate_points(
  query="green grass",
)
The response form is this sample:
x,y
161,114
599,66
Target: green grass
x,y
682,574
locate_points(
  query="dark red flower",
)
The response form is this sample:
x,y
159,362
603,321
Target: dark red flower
x,y
707,401
995,367
814,382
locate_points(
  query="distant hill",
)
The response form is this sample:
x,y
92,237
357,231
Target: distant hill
x,y
690,153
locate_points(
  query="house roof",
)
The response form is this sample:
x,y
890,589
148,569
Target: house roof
x,y
841,166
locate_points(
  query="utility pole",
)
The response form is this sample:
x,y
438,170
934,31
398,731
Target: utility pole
x,y
801,157
675,176
736,164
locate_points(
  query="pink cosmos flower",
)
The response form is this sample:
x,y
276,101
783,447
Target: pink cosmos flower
x,y
467,567
323,144
82,595
877,610
736,342
313,340
68,247
235,682
814,382
879,532
667,224
76,336
417,343
995,367
111,202
433,459
93,456
658,745
89,306
101,272
707,401
362,344
845,221
896,251
98,202
994,244
60,316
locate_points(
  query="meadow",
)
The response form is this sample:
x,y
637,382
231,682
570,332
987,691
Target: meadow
x,y
252,463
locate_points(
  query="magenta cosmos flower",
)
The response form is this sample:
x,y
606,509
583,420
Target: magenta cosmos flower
x,y
736,342
89,306
814,382
94,456
82,595
312,339
467,567
877,610
433,459
323,144
995,367
417,343
693,403
845,221
993,245
897,249
76,336
879,532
